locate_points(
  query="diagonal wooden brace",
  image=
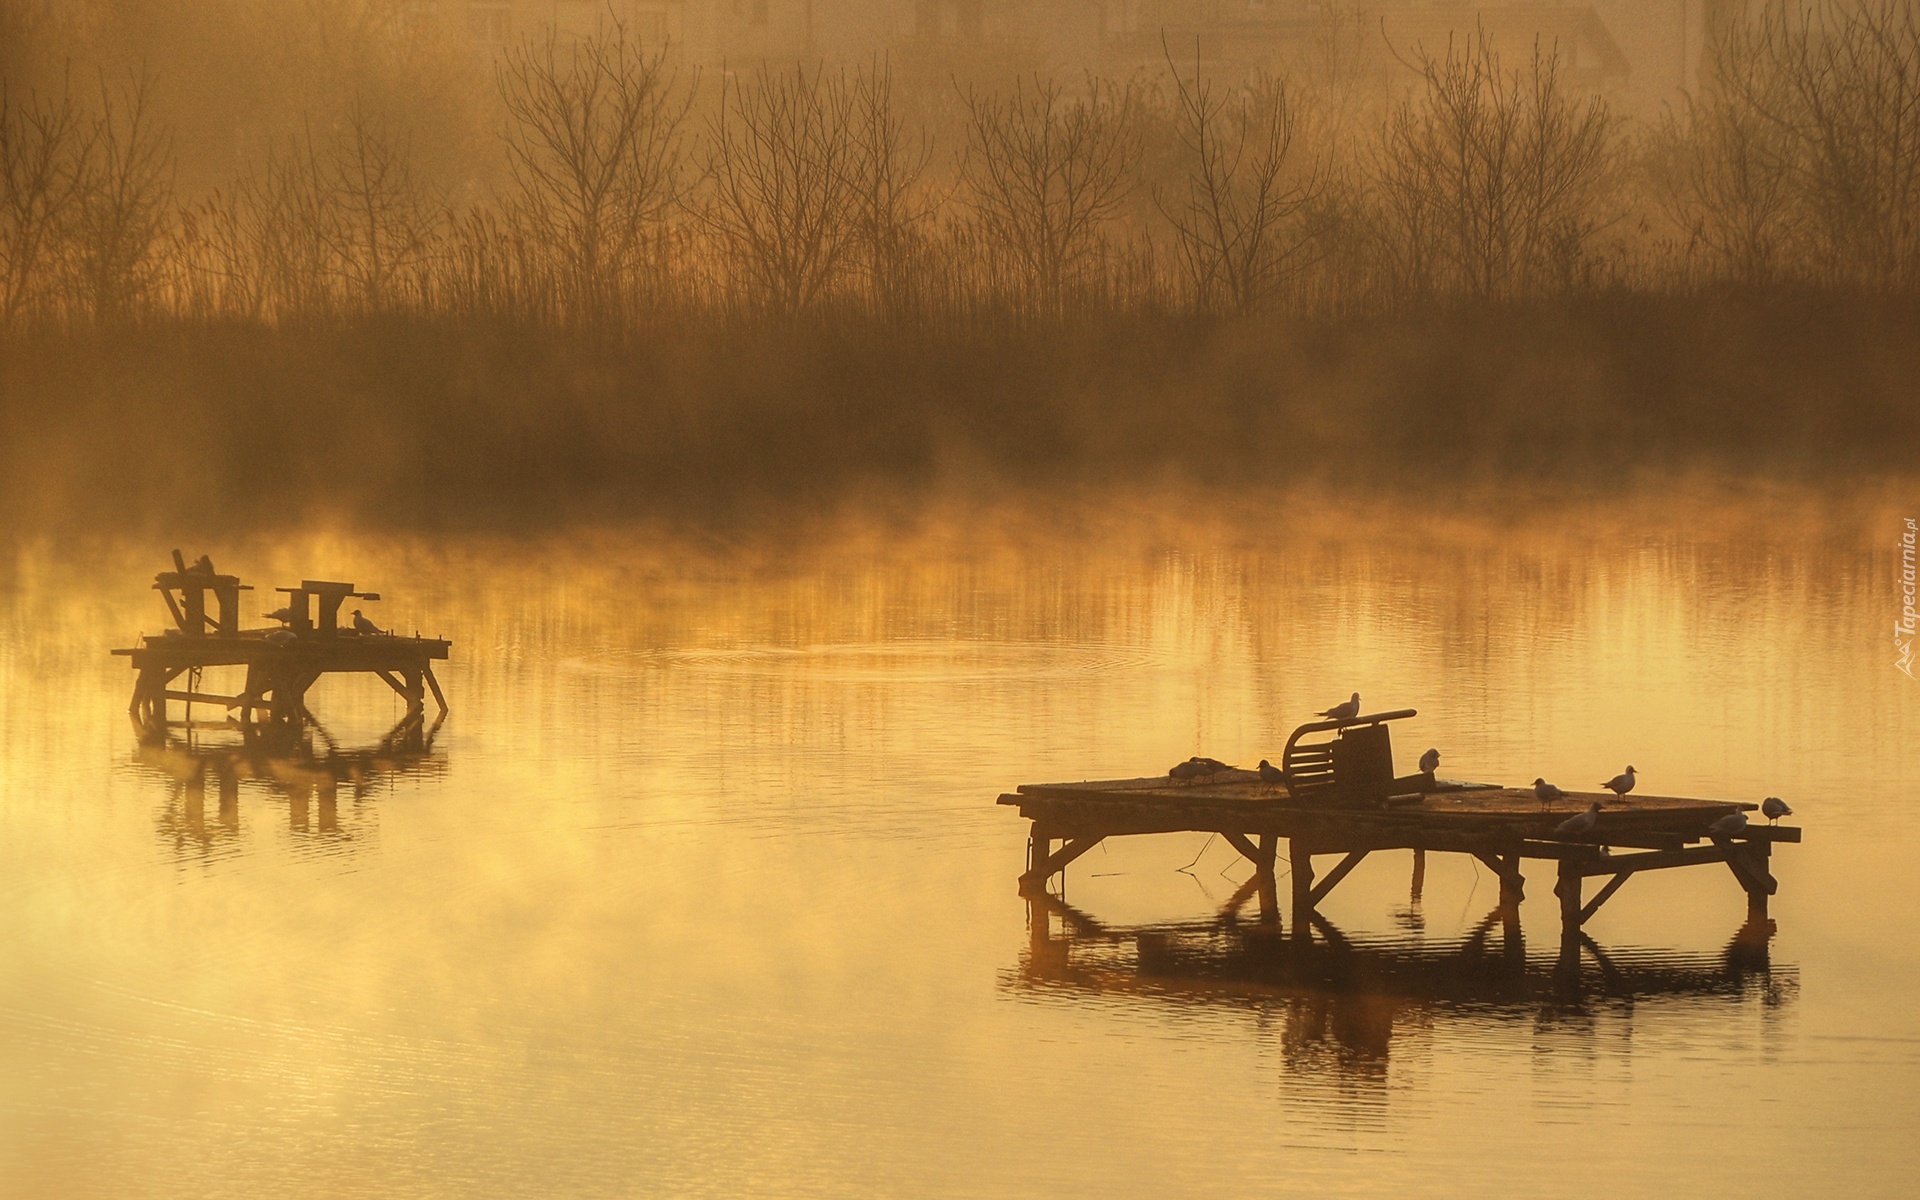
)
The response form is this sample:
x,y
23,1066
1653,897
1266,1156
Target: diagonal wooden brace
x,y
1334,876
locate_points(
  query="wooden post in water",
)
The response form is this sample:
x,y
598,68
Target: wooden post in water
x,y
1300,860
1568,889
1269,887
1419,876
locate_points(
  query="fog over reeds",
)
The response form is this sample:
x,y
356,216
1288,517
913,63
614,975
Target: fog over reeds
x,y
292,256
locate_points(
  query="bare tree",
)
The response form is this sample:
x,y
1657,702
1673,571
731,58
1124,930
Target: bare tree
x,y
891,202
44,147
1489,178
1842,82
593,145
380,226
1237,215
1724,174
123,206
781,166
1045,174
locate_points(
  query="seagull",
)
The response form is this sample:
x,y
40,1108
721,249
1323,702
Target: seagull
x,y
1620,785
284,615
1546,793
362,625
282,637
1209,765
1343,712
1773,808
1429,761
1580,824
1270,773
1733,823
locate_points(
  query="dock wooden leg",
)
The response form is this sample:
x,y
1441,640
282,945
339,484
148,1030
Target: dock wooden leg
x,y
1419,876
1758,854
1264,872
1039,849
1568,889
439,697
1300,860
1047,862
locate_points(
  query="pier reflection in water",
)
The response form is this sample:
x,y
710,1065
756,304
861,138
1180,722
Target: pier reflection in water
x,y
204,778
1342,999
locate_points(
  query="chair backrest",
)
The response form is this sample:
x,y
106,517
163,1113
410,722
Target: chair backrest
x,y
1351,764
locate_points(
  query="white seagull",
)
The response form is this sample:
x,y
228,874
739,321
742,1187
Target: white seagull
x,y
1546,793
1430,761
1773,808
1343,712
362,625
282,615
1733,823
1580,824
1621,784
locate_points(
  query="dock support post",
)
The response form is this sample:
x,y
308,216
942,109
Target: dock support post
x,y
1269,888
1419,876
1758,852
1300,860
1568,889
1039,850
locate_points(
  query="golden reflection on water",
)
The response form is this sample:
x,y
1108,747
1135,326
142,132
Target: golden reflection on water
x,y
702,888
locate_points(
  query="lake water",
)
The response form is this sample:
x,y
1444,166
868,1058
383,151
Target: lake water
x,y
702,889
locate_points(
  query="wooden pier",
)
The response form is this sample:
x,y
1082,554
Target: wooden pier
x,y
281,662
1350,805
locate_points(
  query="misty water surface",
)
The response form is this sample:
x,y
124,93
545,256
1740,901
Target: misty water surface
x,y
703,890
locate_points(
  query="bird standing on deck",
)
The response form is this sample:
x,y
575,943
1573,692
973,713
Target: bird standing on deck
x,y
362,625
1773,808
1343,712
1580,824
1732,824
1270,773
1546,793
1622,783
283,614
1430,761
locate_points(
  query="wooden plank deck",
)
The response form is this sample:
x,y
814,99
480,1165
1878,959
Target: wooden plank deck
x,y
1501,826
1237,802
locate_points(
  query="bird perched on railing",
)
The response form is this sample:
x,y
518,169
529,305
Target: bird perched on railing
x,y
1620,784
1430,761
1546,793
1732,824
1580,824
283,614
1773,808
1343,712
1270,773
362,625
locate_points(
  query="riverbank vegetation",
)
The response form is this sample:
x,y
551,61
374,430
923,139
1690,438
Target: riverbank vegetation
x,y
611,279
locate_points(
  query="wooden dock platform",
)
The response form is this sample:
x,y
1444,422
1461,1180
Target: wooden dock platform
x,y
1502,827
281,662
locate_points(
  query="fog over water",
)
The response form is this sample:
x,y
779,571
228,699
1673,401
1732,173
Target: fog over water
x,y
702,888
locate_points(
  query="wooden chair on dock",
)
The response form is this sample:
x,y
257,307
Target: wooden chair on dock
x,y
1348,764
325,595
189,610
